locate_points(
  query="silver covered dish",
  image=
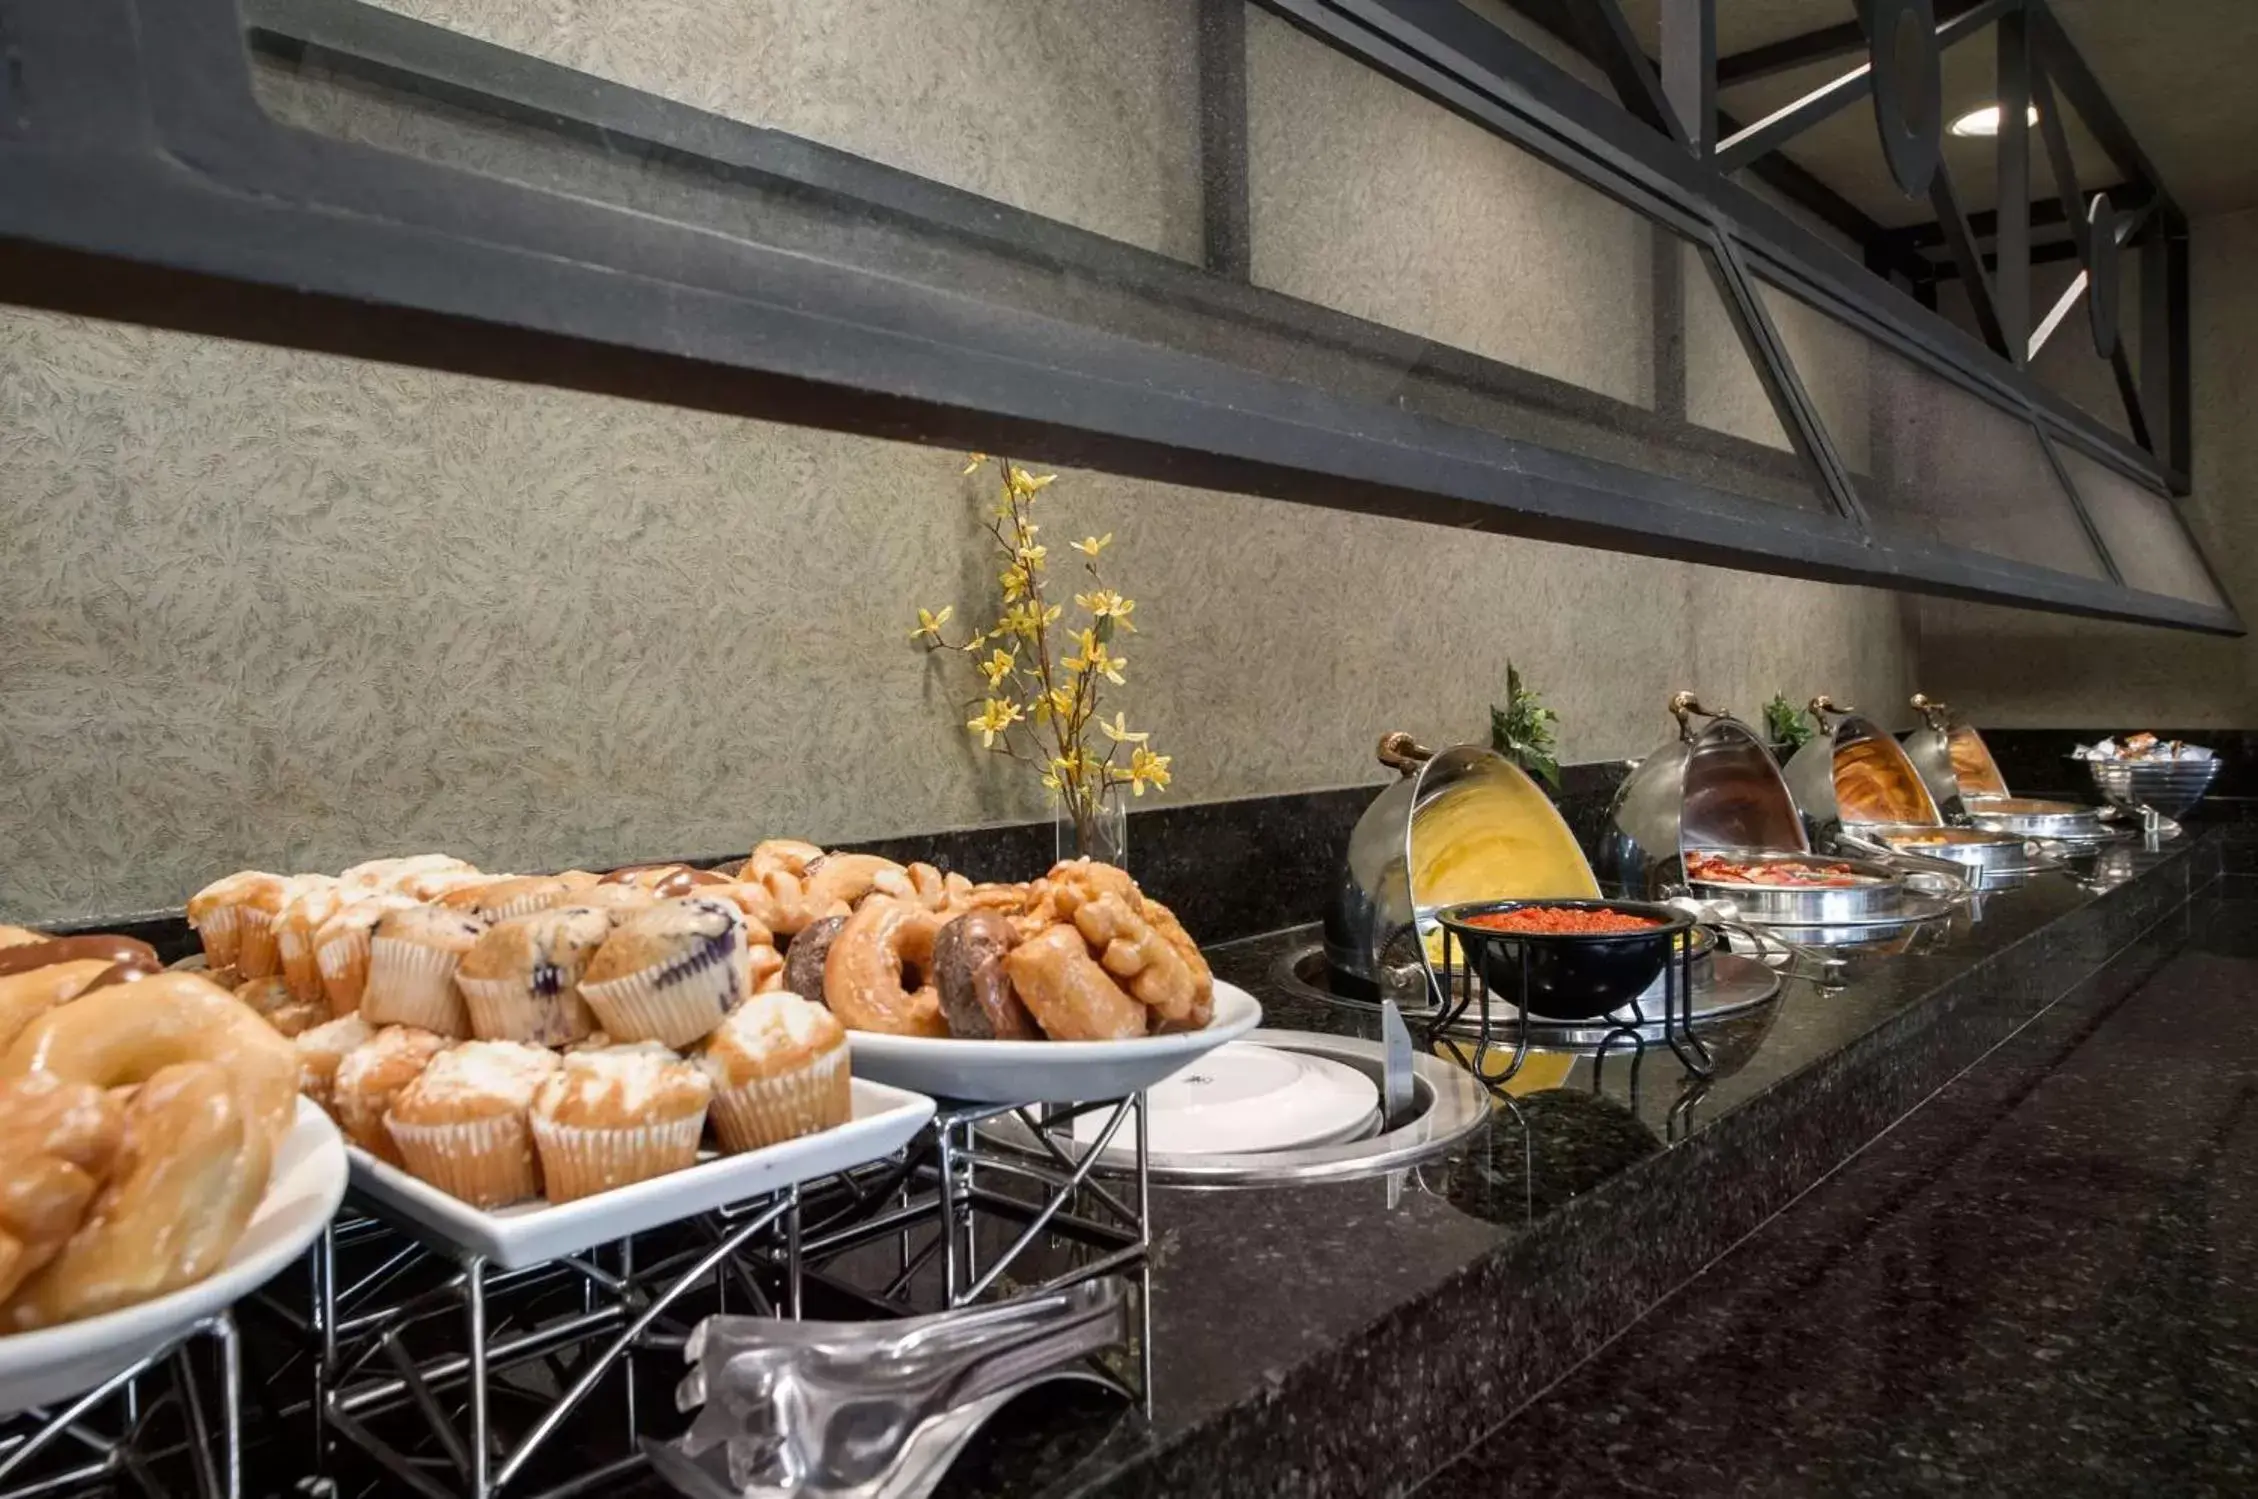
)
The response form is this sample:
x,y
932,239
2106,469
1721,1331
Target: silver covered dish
x,y
1976,848
1853,773
1951,758
1879,895
1463,823
1711,787
2069,822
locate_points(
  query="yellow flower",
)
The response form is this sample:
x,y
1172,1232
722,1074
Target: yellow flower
x,y
1020,620
1118,731
1090,546
1105,603
1025,484
996,715
973,461
1014,581
1065,770
1094,659
998,667
1057,703
1031,557
1146,766
929,624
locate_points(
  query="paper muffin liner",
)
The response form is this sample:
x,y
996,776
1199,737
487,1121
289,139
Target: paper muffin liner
x,y
221,932
637,1007
488,1163
363,1126
507,1009
343,961
769,1110
413,983
577,1161
301,966
255,954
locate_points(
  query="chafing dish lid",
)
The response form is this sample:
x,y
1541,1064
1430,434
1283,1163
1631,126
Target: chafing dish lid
x,y
1463,824
1853,772
1715,786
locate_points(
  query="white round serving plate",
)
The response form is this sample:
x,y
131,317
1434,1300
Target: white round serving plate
x,y
1047,1071
1245,1097
56,1363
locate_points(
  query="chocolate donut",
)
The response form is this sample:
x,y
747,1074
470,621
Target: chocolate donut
x,y
117,973
803,959
107,946
977,999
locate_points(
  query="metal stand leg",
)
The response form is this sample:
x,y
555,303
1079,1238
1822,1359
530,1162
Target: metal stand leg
x,y
474,1303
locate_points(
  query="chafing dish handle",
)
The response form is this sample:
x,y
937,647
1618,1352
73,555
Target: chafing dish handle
x,y
1402,754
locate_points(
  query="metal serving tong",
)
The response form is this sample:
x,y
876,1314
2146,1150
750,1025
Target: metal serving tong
x,y
870,1410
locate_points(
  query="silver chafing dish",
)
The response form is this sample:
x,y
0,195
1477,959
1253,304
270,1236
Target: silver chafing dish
x,y
1977,848
1854,774
1462,823
1712,787
1878,896
2027,817
1952,758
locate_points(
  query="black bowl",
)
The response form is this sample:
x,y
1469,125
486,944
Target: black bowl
x,y
1566,975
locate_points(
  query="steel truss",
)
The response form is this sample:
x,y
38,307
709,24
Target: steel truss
x,y
140,178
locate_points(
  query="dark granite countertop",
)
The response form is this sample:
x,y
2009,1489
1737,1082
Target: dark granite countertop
x,y
2044,1281
1344,1338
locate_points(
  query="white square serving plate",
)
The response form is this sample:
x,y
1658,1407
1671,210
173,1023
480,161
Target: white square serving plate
x,y
530,1233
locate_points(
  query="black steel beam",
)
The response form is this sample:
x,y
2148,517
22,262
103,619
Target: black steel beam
x,y
172,198
2043,213
1605,39
2057,57
1225,209
1689,69
2012,222
1846,39
1967,258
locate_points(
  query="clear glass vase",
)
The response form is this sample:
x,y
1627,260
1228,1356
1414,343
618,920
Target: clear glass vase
x,y
1092,825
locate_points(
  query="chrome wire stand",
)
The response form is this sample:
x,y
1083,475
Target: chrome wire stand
x,y
366,1368
127,1451
1456,987
992,1201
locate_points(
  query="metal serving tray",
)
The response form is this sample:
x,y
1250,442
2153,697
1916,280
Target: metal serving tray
x,y
1808,905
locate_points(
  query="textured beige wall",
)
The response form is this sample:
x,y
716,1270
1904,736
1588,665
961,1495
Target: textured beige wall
x,y
2014,668
263,607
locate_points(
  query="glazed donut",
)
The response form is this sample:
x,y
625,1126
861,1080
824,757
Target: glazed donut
x,y
24,997
779,856
191,1169
1138,941
846,879
129,1032
976,994
790,909
58,1139
25,956
921,883
1070,996
273,1001
15,936
874,974
804,958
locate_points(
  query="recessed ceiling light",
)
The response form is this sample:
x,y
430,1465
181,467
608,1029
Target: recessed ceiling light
x,y
1985,121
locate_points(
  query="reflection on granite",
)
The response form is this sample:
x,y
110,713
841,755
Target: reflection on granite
x,y
1280,1312
2045,1280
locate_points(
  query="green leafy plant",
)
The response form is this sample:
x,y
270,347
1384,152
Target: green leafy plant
x,y
1522,730
1785,723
